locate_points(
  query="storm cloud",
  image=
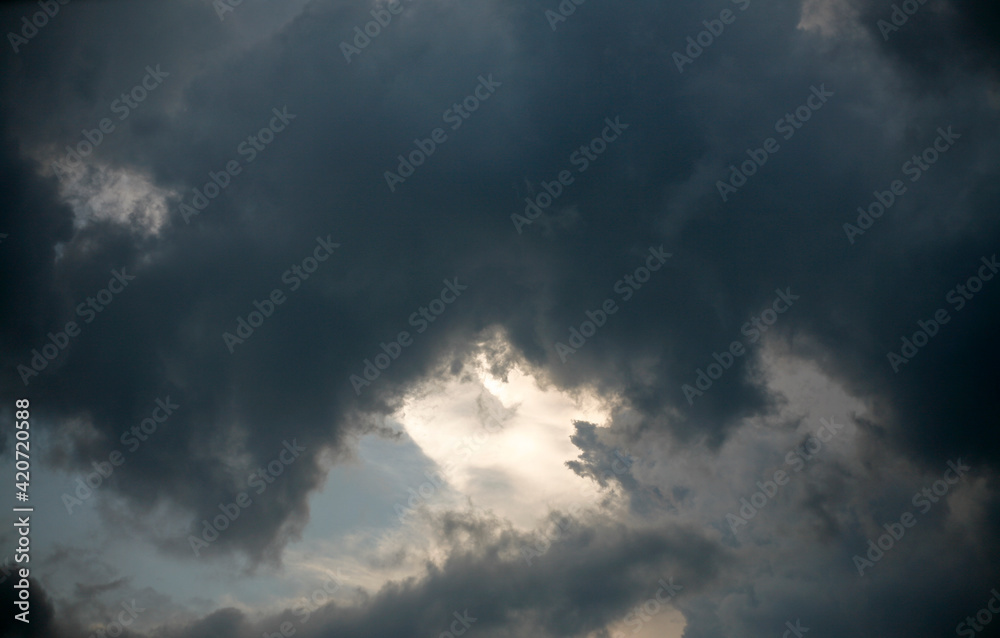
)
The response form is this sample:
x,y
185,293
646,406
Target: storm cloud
x,y
243,208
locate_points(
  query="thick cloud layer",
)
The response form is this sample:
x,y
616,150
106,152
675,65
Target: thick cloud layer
x,y
356,257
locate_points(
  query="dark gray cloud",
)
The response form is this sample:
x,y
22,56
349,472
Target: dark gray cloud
x,y
589,578
323,176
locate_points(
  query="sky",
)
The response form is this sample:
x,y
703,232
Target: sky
x,y
561,319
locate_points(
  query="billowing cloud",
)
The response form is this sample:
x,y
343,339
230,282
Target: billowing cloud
x,y
244,248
